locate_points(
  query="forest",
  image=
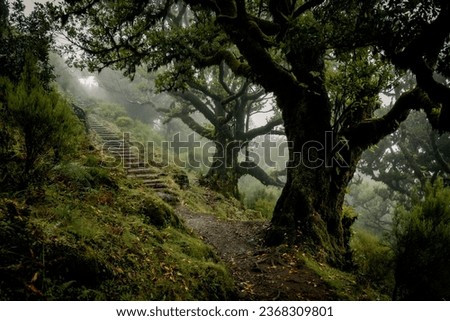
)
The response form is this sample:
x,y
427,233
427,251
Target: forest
x,y
225,150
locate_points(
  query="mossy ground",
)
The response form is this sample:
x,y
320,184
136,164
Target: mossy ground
x,y
206,201
345,284
91,234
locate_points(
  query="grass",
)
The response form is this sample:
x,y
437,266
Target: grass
x,y
90,234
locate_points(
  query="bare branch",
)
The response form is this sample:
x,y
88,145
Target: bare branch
x,y
236,95
267,128
183,115
204,90
437,153
198,104
222,79
251,168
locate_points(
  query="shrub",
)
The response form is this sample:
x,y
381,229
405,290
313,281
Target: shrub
x,y
124,122
83,177
110,111
42,126
263,201
422,253
374,261
157,213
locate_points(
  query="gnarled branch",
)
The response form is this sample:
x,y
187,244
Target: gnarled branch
x,y
198,104
267,128
251,168
371,131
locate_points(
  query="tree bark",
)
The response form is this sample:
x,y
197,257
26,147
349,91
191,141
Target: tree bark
x,y
222,175
309,210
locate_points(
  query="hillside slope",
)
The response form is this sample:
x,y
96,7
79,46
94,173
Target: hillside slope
x,y
91,233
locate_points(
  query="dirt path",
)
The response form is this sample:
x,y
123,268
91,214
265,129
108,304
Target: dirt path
x,y
260,273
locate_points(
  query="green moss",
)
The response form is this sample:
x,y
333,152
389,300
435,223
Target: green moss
x,y
344,284
203,200
94,235
157,212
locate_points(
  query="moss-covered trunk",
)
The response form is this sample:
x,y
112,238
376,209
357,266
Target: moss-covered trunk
x,y
309,210
222,175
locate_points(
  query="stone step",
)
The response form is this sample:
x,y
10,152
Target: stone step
x,y
119,154
108,138
127,161
137,165
168,197
114,143
106,135
125,155
139,170
120,151
114,139
153,180
121,147
103,131
99,127
152,184
143,175
127,158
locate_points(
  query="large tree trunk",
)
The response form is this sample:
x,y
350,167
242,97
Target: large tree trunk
x,y
309,210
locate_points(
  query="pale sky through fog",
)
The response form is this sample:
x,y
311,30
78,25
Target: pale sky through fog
x,y
29,4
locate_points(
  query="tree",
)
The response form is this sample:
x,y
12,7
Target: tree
x,y
402,163
3,18
226,104
21,35
409,158
286,47
373,203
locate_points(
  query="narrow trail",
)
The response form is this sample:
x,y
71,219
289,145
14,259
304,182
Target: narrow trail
x,y
261,273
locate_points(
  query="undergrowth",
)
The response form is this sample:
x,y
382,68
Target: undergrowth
x,y
206,201
92,234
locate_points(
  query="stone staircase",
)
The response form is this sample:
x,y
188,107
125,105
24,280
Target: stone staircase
x,y
117,145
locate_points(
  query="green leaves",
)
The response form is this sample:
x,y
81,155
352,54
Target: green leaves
x,y
354,80
20,36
